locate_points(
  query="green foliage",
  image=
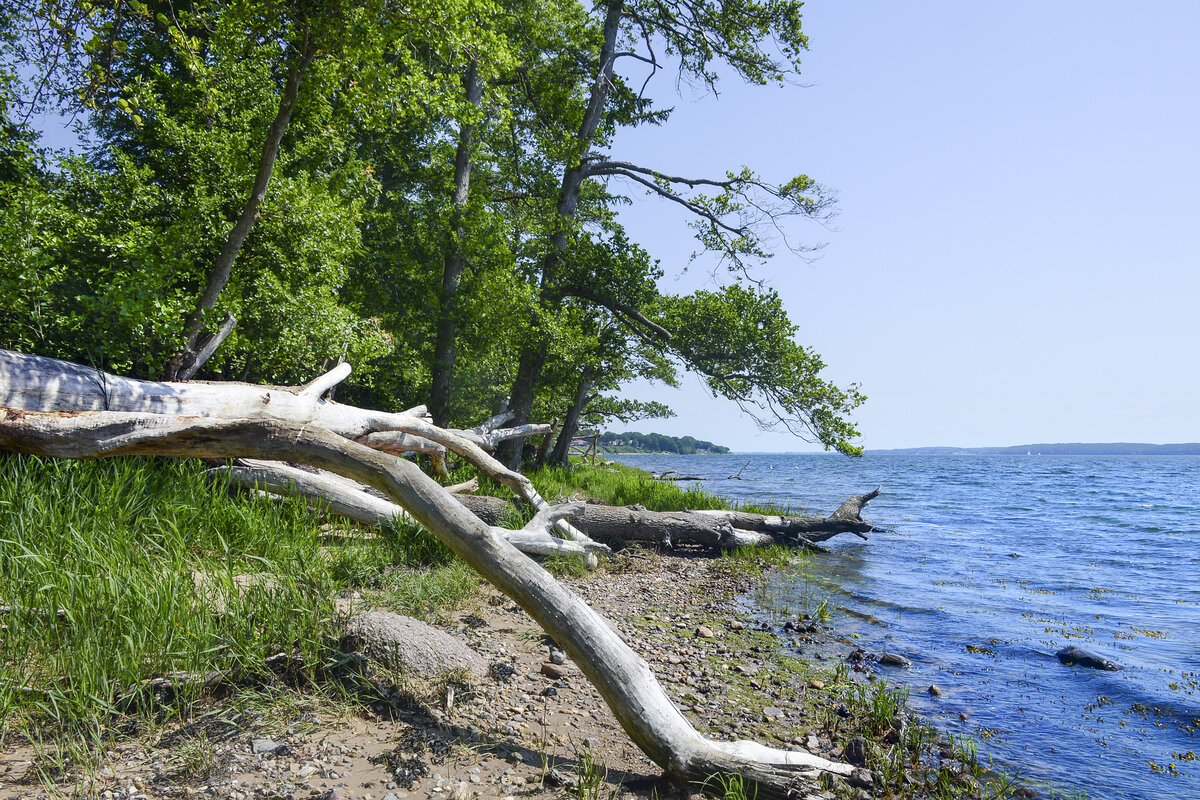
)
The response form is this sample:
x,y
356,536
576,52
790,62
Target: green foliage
x,y
621,486
103,254
742,342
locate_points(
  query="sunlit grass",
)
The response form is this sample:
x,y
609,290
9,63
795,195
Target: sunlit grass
x,y
115,572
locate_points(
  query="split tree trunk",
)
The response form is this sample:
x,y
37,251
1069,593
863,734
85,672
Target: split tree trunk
x,y
619,674
183,365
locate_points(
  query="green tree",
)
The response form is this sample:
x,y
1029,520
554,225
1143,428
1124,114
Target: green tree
x,y
759,42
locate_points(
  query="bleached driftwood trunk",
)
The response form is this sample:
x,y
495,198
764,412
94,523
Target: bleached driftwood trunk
x,y
347,498
619,674
35,383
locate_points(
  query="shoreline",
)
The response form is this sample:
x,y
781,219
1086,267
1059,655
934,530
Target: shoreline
x,y
520,733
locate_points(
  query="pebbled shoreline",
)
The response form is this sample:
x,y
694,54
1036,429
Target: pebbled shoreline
x,y
531,728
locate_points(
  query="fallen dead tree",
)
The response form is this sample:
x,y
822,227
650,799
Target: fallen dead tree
x,y
35,383
717,530
619,674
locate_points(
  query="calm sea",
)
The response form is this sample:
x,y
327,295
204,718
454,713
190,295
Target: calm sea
x,y
995,563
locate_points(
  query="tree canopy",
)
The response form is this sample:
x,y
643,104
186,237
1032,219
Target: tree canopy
x,y
428,190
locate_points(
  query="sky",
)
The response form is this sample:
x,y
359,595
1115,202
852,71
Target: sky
x,y
1015,256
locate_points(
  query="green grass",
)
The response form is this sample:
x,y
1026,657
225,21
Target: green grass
x,y
619,485
115,572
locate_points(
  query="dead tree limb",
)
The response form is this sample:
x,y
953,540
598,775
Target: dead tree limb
x,y
35,383
711,529
350,499
622,677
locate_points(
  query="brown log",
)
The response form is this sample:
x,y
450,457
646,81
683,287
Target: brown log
x,y
710,529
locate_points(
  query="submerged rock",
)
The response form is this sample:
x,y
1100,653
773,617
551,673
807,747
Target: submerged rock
x,y
1082,658
894,660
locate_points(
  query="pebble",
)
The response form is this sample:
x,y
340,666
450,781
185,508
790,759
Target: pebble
x,y
816,684
558,657
704,632
553,671
935,690
856,751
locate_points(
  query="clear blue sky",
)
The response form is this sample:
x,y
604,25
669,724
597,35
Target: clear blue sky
x,y
1015,258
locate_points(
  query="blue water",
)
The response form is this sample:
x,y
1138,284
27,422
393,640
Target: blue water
x,y
1017,557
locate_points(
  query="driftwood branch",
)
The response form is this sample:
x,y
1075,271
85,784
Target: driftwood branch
x,y
622,677
352,500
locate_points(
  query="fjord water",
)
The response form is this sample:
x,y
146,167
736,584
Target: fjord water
x,y
996,562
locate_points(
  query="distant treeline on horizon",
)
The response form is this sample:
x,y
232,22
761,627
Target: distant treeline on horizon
x,y
634,442
1061,449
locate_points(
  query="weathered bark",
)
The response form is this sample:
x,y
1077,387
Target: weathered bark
x,y
619,674
444,351
562,448
35,383
185,363
716,530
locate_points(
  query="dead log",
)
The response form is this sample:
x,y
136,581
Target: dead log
x,y
35,383
350,499
717,530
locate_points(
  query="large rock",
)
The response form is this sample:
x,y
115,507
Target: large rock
x,y
409,645
1079,657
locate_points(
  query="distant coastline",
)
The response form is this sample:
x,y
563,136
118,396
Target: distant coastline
x,y
1059,449
656,443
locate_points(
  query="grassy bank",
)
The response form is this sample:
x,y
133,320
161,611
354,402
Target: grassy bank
x,y
116,572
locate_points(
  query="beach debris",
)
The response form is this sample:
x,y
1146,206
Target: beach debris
x,y
1078,657
553,671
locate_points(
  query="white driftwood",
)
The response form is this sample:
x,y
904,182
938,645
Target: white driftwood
x,y
619,674
349,499
35,383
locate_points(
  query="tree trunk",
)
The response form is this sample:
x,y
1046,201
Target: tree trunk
x,y
562,448
444,352
184,364
520,402
533,354
624,679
